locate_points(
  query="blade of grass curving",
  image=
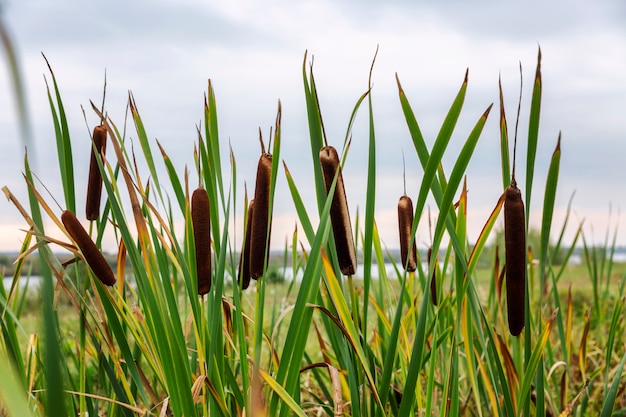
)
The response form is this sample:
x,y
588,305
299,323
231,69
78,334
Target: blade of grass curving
x,y
316,133
613,329
611,395
212,136
143,141
64,146
303,216
174,179
210,160
484,235
282,393
457,173
548,211
504,141
370,203
12,394
443,137
355,110
433,164
533,134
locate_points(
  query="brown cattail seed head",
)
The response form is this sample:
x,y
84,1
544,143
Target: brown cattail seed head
x,y
339,215
405,224
94,182
515,247
201,221
261,217
90,251
244,260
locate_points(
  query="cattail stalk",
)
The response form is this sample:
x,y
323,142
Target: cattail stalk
x,y
201,221
94,182
339,215
94,258
433,279
261,217
515,246
244,260
405,224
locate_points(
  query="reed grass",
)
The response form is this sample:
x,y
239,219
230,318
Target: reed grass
x,y
431,339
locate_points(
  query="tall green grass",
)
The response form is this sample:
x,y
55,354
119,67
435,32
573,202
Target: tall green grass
x,y
334,345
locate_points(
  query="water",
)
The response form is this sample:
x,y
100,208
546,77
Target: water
x,y
33,282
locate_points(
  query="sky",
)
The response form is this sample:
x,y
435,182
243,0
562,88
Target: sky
x,y
164,52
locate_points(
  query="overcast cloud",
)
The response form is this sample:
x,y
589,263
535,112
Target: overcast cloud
x,y
165,51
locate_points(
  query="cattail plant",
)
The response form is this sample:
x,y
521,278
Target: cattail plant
x,y
244,259
90,251
339,215
261,217
94,182
405,224
201,220
515,246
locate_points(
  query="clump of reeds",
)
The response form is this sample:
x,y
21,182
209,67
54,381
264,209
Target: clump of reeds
x,y
90,251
